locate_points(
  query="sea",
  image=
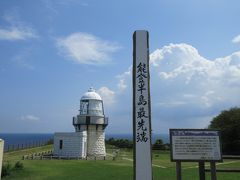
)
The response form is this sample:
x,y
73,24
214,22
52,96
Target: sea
x,y
14,141
24,140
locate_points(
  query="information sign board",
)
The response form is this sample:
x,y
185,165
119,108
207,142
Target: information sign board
x,y
195,145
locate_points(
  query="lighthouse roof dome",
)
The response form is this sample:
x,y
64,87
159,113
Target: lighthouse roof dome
x,y
91,95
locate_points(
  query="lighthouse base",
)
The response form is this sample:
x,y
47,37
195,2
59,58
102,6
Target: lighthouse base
x,y
95,142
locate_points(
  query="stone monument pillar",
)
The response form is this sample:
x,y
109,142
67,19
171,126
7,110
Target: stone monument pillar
x,y
1,155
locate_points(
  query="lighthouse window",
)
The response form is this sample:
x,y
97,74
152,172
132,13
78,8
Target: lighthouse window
x,y
84,107
88,120
95,107
60,144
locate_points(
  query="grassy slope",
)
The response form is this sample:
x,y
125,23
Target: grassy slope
x,y
120,169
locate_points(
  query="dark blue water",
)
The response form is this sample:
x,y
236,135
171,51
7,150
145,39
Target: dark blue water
x,y
14,141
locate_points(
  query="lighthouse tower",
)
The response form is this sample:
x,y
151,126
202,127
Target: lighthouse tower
x,y
91,119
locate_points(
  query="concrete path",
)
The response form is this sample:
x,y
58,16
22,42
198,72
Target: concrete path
x,y
152,164
128,159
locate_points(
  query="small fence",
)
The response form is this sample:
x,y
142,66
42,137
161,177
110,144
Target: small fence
x,y
51,157
39,155
16,147
227,170
48,155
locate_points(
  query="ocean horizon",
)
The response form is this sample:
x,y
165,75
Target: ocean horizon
x,y
19,140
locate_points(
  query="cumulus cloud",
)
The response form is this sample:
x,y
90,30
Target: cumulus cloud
x,y
17,30
30,118
236,39
85,48
186,87
179,66
107,95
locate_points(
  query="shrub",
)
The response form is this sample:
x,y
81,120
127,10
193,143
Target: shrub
x,y
18,165
6,169
120,143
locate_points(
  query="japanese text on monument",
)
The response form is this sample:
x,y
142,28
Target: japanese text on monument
x,y
142,110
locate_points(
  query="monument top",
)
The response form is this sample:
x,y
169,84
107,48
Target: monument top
x,y
139,31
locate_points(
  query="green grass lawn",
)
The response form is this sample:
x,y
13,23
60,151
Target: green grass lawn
x,y
119,169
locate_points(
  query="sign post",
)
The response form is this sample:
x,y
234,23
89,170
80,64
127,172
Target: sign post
x,y
178,170
196,145
141,107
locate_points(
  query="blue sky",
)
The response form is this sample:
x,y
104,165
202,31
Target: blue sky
x,y
52,51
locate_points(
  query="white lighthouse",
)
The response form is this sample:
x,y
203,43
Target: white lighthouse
x,y
89,136
92,120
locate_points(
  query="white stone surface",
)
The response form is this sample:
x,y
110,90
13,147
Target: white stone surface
x,y
1,155
96,141
91,94
74,144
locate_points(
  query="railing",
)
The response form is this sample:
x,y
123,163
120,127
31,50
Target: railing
x,y
16,147
106,121
227,170
47,155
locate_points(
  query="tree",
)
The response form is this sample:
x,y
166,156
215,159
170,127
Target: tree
x,y
159,145
120,143
228,122
159,142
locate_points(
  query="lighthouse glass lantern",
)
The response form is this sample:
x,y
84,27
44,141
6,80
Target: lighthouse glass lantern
x,y
91,107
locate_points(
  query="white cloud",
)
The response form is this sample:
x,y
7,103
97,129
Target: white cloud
x,y
17,30
84,48
236,39
107,95
179,59
122,85
182,68
30,118
171,104
17,33
55,7
187,87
